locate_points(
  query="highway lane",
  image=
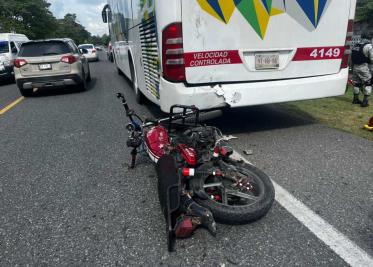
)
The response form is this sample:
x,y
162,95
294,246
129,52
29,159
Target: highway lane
x,y
8,93
67,197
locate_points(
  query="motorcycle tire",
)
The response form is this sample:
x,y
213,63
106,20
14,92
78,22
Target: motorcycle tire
x,y
242,214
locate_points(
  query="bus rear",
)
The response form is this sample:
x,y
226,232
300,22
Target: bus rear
x,y
250,52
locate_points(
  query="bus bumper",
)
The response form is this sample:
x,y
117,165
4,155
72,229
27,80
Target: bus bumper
x,y
252,93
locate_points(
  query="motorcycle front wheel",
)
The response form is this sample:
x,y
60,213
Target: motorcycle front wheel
x,y
243,194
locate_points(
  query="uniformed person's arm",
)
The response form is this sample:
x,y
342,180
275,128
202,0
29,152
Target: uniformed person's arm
x,y
369,52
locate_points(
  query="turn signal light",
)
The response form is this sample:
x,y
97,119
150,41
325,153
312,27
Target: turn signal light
x,y
19,62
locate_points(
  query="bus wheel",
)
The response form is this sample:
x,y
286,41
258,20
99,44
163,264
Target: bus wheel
x,y
140,98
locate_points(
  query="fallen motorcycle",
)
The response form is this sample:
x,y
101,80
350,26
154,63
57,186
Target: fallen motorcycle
x,y
198,180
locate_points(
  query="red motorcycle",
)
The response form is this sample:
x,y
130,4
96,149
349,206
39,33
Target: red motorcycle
x,y
198,180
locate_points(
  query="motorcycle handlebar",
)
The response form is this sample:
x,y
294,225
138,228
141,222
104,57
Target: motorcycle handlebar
x,y
130,113
124,102
188,112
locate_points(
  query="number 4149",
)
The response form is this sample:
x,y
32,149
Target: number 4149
x,y
326,53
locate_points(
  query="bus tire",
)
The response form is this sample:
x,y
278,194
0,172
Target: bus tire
x,y
119,71
140,98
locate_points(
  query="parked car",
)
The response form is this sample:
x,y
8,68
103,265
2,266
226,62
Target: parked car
x,y
99,47
110,55
92,52
50,63
10,44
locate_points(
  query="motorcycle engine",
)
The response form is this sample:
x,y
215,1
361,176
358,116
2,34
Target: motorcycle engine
x,y
200,138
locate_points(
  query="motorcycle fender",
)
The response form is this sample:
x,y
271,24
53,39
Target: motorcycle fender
x,y
169,191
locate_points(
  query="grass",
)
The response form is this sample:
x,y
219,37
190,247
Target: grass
x,y
336,112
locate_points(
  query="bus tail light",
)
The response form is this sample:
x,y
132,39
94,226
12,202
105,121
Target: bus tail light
x,y
173,53
346,56
19,62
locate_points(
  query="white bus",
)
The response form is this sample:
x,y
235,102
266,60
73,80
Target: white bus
x,y
235,53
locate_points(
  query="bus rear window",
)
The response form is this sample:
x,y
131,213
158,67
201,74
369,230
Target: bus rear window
x,y
4,47
39,49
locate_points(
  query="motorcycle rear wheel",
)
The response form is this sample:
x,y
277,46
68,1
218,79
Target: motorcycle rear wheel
x,y
239,207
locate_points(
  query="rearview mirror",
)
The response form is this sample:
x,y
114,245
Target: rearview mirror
x,y
84,51
106,14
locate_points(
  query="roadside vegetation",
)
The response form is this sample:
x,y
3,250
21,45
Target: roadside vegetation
x,y
364,10
34,19
336,112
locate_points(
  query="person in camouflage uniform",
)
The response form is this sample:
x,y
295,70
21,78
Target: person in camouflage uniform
x,y
362,58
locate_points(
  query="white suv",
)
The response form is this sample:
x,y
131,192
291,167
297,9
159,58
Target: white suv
x,y
50,63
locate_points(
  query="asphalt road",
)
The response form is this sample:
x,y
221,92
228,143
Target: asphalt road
x,y
67,197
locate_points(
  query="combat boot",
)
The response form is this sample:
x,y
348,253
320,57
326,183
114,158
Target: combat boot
x,y
365,103
356,100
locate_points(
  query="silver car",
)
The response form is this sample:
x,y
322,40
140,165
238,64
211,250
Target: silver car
x,y
50,63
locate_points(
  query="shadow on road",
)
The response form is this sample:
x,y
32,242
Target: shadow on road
x,y
251,119
64,90
259,118
6,81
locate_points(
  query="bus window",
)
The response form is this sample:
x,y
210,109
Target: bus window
x,y
142,10
125,17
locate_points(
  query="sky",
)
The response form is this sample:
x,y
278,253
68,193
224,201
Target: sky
x,y
88,13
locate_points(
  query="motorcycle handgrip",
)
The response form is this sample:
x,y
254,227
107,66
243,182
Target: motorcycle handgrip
x,y
124,101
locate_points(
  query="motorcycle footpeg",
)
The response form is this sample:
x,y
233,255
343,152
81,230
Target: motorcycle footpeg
x,y
201,194
208,222
201,215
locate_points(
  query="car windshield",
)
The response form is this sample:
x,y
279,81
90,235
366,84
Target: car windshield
x,y
48,48
4,47
86,46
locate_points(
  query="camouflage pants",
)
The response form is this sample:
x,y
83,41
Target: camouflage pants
x,y
362,78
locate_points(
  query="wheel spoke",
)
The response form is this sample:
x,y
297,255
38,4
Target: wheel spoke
x,y
224,196
217,184
240,194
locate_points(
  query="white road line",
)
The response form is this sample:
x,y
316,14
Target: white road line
x,y
338,242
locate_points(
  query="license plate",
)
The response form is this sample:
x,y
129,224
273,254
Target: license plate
x,y
45,66
267,61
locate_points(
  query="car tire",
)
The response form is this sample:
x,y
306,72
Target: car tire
x,y
89,77
26,92
83,84
120,72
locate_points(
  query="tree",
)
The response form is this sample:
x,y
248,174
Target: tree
x,y
364,11
30,17
33,18
68,27
105,39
